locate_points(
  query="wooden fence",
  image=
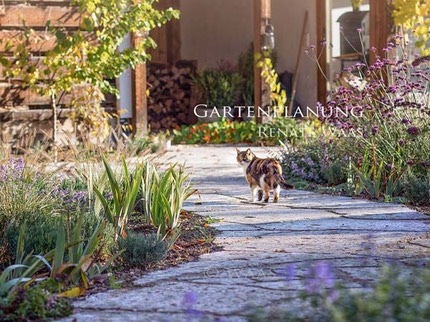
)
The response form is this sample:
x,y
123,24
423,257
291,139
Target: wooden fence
x,y
25,116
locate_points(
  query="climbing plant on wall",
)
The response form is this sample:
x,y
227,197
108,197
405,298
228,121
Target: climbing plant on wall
x,y
278,96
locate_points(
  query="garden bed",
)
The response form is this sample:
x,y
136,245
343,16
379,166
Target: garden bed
x,y
196,239
69,235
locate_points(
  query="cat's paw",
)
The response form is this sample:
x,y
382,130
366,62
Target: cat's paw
x,y
260,195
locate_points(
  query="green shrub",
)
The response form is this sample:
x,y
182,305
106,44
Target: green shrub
x,y
124,188
142,249
246,70
220,87
417,188
75,257
161,197
316,159
39,238
31,197
396,296
334,174
387,121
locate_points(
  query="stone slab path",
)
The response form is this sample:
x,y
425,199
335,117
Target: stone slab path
x,y
259,242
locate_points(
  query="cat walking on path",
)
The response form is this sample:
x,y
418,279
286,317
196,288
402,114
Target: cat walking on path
x,y
263,175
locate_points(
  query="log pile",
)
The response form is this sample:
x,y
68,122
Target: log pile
x,y
171,95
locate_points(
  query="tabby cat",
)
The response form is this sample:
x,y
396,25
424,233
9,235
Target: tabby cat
x,y
263,175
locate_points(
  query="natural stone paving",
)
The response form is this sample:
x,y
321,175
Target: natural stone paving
x,y
259,241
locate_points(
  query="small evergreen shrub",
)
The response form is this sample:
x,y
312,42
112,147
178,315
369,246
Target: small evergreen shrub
x,y
417,189
142,249
334,174
39,238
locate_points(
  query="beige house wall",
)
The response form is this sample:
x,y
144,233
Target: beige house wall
x,y
287,17
212,30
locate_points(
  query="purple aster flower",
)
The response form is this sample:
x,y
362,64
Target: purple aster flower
x,y
190,298
109,195
333,296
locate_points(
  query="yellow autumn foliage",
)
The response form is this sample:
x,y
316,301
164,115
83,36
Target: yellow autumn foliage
x,y
414,15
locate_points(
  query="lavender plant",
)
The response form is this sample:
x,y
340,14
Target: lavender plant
x,y
316,160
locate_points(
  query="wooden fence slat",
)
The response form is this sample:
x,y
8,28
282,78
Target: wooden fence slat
x,y
16,96
12,95
37,17
37,2
32,115
39,42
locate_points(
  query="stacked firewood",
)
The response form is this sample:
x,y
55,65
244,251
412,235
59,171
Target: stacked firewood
x,y
170,102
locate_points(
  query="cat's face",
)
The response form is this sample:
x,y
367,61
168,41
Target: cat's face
x,y
244,157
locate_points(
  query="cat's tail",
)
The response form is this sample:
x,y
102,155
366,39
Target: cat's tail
x,y
286,186
281,181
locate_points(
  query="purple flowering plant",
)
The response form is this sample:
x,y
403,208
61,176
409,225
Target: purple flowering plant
x,y
391,111
316,160
385,119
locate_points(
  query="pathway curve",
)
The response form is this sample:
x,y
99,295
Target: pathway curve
x,y
260,241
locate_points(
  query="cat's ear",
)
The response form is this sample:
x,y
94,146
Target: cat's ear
x,y
237,150
248,151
